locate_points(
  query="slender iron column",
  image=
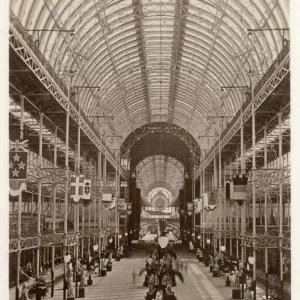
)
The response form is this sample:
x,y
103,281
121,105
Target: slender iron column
x,y
266,211
254,196
39,196
100,208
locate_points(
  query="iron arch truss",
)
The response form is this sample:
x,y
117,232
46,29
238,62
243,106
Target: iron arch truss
x,y
175,130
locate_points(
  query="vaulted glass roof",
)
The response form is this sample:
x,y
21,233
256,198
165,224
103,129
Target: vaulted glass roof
x,y
156,61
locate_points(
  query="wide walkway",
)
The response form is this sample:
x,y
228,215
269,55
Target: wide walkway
x,y
118,284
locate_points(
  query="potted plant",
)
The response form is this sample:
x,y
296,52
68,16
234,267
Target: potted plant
x,y
39,288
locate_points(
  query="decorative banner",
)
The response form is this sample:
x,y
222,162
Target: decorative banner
x,y
189,206
77,188
206,204
106,200
227,189
17,167
205,199
195,205
129,208
121,205
239,187
212,198
87,189
113,203
210,207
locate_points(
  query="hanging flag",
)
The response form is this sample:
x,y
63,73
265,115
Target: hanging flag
x,y
87,192
129,208
113,203
227,189
212,198
189,206
17,172
87,189
121,205
197,205
205,199
107,199
208,201
239,187
17,167
77,188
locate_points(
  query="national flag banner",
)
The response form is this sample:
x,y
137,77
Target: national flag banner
x,y
212,198
121,204
19,146
205,199
107,198
87,189
227,189
189,206
239,187
129,208
197,205
17,172
206,203
77,188
113,203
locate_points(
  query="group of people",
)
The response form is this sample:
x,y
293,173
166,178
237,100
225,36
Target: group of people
x,y
228,267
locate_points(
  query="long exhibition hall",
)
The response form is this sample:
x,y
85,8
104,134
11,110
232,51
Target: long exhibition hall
x,y
149,149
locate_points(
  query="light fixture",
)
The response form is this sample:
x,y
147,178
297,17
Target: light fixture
x,y
193,234
126,233
198,237
251,260
95,247
130,231
188,232
222,248
208,241
120,236
67,258
110,240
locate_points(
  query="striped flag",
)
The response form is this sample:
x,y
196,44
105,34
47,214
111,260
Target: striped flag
x,y
77,188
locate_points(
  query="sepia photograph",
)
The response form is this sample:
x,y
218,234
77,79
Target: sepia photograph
x,y
148,149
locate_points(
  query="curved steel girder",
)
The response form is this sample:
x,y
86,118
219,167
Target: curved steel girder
x,y
233,13
178,164
233,10
163,127
158,171
160,196
158,184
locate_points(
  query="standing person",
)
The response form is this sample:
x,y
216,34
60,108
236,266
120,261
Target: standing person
x,y
133,275
185,267
181,266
